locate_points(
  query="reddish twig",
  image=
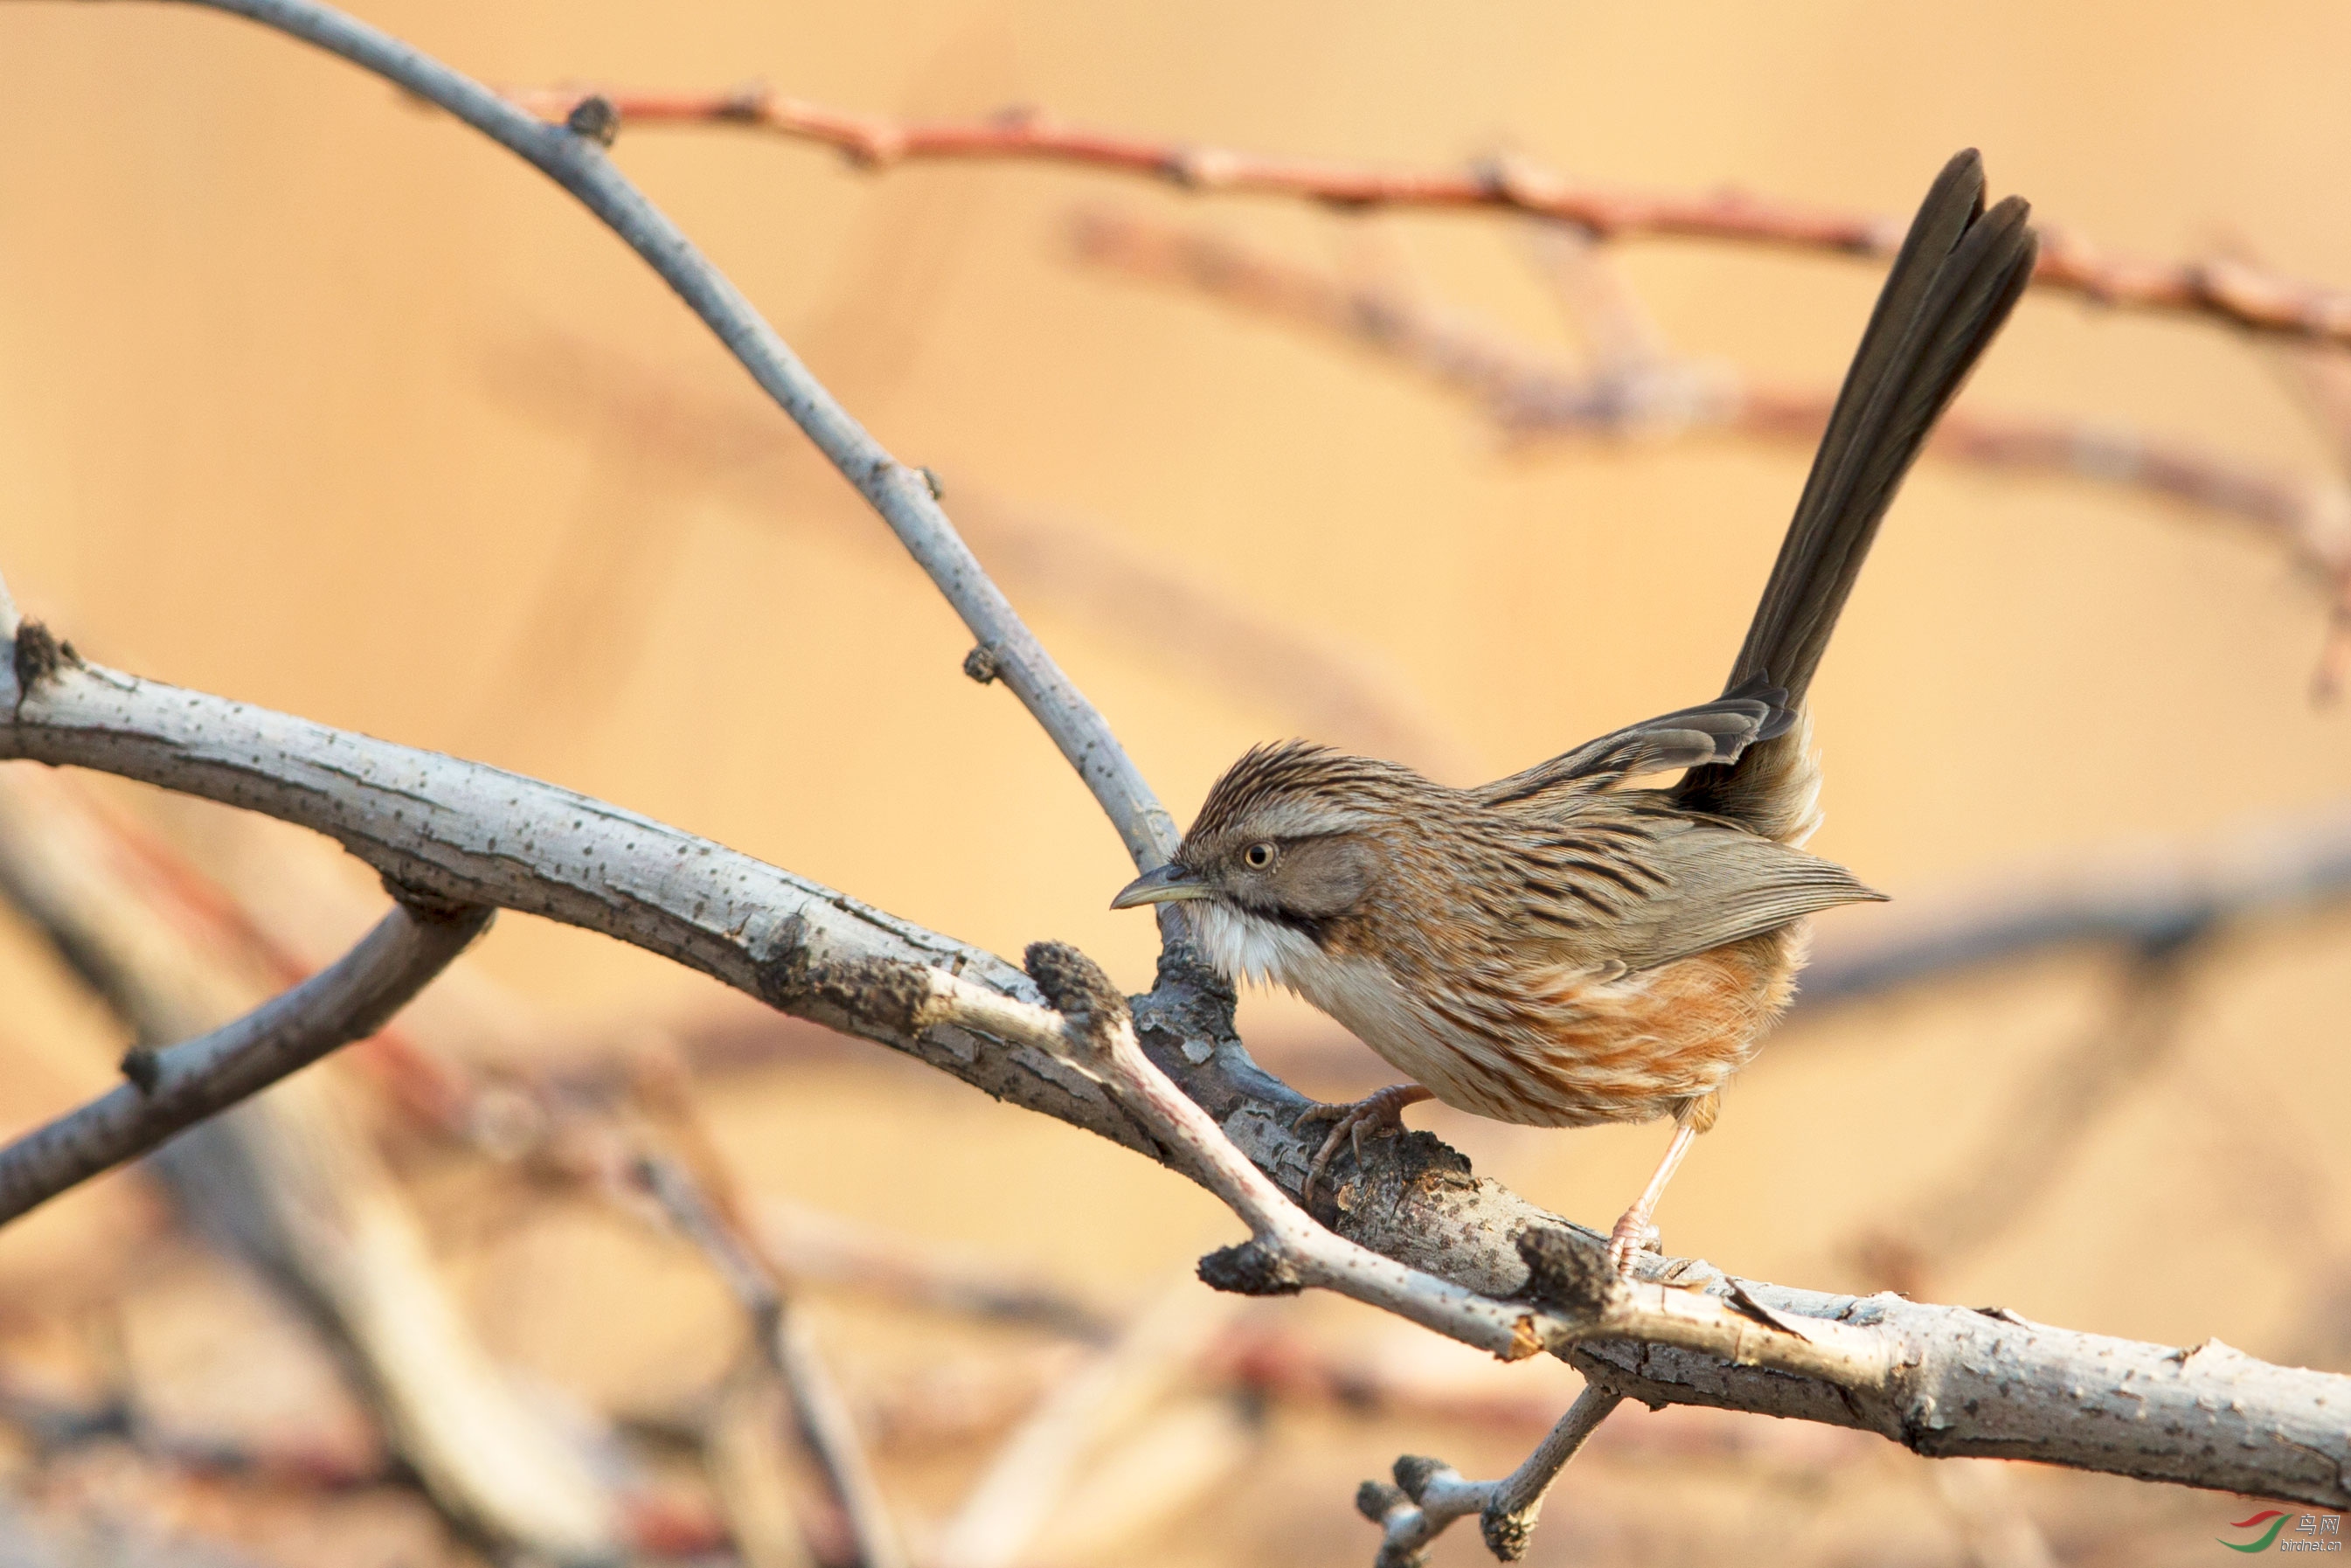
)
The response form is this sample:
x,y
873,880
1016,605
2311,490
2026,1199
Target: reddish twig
x,y
2228,290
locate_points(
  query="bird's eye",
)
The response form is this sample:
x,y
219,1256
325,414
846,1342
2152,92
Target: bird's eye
x,y
1257,856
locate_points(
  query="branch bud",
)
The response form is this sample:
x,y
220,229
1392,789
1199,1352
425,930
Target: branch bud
x,y
1414,1471
594,118
1249,1269
144,1067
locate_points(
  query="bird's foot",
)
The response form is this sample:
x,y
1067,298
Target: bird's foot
x,y
1633,1234
1380,1112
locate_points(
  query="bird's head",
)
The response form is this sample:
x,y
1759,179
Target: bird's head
x,y
1292,837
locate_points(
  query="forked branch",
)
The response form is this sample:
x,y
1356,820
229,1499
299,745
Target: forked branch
x,y
1415,1234
171,1090
1428,1494
571,153
1532,395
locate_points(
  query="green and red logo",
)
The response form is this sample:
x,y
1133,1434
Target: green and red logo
x,y
2274,1517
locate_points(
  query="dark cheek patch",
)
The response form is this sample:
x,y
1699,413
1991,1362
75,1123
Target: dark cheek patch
x,y
1315,930
1320,878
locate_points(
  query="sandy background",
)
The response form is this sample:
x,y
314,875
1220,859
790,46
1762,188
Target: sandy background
x,y
313,399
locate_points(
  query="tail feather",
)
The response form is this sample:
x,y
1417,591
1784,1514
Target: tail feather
x,y
1951,288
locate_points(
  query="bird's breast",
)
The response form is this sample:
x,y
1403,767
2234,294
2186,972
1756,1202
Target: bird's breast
x,y
1539,1045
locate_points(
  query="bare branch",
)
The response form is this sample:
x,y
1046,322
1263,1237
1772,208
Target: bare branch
x,y
2147,903
1288,1251
2231,291
817,1407
474,834
701,439
1429,1494
571,153
1529,393
174,1088
287,1185
1415,1234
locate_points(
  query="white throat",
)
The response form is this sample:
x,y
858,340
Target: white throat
x,y
1246,947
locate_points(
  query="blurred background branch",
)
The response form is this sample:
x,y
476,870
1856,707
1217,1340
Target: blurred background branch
x,y
289,1185
1650,395
501,1129
2236,293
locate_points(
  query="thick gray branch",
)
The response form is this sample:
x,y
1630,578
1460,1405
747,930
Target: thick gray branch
x,y
574,159
476,835
175,1087
1940,1380
287,1183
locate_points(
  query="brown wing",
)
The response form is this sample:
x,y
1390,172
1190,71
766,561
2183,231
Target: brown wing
x,y
1626,879
1716,732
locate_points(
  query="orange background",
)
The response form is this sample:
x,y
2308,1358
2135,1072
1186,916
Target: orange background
x,y
315,399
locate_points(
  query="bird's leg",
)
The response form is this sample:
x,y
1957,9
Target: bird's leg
x,y
1633,1233
1378,1111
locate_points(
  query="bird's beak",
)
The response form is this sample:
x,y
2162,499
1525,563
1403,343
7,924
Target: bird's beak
x,y
1171,883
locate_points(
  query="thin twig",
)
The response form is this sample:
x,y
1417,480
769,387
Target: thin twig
x,y
286,1184
708,438
1939,1379
172,1089
1428,1494
571,153
818,1410
2285,871
2225,290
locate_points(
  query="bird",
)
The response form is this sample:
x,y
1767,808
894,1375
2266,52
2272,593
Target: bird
x,y
1562,949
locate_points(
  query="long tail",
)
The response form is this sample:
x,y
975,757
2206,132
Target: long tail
x,y
1958,274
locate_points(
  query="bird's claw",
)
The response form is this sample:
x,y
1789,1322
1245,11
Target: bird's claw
x,y
1380,1112
1633,1234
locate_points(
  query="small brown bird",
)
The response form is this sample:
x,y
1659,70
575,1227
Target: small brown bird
x,y
1555,949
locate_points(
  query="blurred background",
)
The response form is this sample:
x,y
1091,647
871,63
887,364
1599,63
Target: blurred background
x,y
313,398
